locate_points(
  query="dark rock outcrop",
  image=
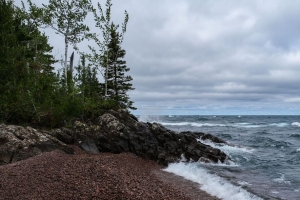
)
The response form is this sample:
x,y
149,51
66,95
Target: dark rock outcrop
x,y
19,143
212,138
115,132
118,132
64,134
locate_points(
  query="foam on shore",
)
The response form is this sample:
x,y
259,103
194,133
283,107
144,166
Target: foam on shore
x,y
210,183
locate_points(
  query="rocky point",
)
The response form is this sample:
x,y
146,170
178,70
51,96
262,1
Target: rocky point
x,y
115,132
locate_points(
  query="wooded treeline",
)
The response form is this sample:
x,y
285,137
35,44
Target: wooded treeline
x,y
32,92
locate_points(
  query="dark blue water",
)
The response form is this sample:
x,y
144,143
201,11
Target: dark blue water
x,y
265,151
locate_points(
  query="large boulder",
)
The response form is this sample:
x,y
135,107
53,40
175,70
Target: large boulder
x,y
19,143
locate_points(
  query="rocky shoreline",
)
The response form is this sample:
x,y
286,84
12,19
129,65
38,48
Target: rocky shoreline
x,y
114,132
131,148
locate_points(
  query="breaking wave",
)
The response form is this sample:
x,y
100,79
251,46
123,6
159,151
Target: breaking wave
x,y
210,183
296,124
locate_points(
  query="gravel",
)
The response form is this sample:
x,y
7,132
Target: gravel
x,y
55,175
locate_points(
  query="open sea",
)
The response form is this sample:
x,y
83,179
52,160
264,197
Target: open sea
x,y
265,153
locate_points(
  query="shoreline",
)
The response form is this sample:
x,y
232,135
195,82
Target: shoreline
x,y
57,175
186,186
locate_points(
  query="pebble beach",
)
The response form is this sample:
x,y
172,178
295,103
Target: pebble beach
x,y
55,175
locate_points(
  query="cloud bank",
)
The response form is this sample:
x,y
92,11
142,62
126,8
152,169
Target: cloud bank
x,y
210,57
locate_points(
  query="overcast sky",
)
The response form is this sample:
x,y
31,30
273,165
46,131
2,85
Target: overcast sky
x,y
209,57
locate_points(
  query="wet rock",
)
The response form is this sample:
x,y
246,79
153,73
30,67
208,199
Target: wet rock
x,y
212,138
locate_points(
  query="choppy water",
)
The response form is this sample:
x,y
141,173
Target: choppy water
x,y
265,155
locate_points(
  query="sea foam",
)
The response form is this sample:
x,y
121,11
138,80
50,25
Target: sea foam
x,y
210,183
226,148
194,124
282,179
238,125
296,124
249,125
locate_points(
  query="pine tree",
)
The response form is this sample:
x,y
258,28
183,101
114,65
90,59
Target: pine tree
x,y
26,78
15,72
118,83
30,92
86,78
103,22
42,81
8,44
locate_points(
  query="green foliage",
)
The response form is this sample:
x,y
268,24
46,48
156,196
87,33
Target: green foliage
x,y
118,83
87,82
108,58
30,92
67,19
26,72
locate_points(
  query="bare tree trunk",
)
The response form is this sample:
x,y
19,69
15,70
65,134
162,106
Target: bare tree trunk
x,y
71,63
116,79
106,75
66,56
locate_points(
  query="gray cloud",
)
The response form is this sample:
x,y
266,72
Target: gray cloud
x,y
211,57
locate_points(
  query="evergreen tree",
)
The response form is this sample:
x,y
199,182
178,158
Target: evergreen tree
x,y
15,73
87,81
110,57
30,92
118,83
103,22
26,74
8,44
38,63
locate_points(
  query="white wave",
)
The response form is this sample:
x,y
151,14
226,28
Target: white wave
x,y
243,123
283,124
191,124
226,148
206,124
296,124
203,162
274,192
298,150
249,125
246,125
175,123
210,183
243,183
239,125
227,163
281,179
